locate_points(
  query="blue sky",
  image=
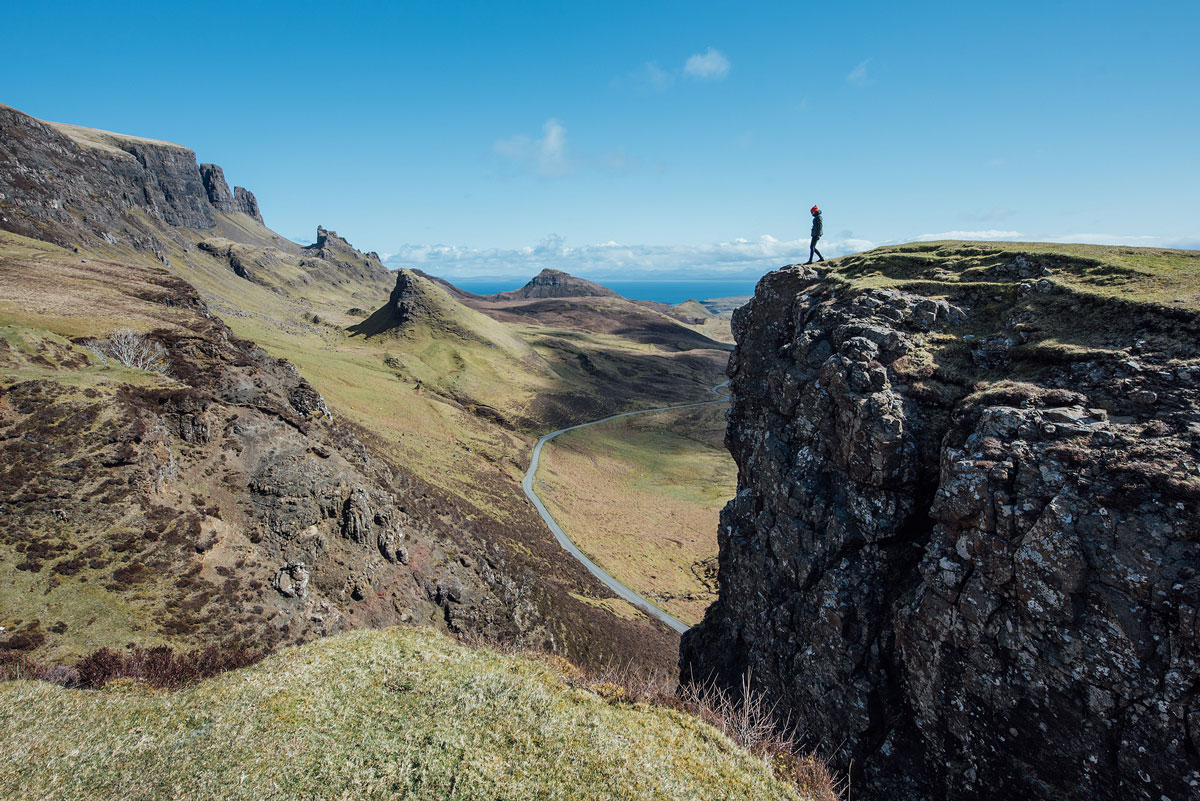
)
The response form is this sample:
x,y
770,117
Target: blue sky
x,y
649,139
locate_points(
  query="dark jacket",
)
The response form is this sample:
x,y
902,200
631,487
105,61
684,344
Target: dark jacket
x,y
818,229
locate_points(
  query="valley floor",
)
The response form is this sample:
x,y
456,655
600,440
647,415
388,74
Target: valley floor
x,y
641,496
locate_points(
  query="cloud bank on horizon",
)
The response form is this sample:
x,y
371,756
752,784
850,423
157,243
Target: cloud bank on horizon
x,y
738,258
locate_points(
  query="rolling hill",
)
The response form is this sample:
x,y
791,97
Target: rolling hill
x,y
297,469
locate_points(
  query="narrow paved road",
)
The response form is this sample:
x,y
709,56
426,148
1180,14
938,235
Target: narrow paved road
x,y
620,589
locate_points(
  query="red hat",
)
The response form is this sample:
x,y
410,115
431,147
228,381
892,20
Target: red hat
x,y
814,210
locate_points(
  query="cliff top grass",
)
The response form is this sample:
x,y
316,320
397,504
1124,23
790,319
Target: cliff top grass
x,y
398,713
1169,278
107,141
1034,306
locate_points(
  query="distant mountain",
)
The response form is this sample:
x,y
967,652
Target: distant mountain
x,y
557,284
692,308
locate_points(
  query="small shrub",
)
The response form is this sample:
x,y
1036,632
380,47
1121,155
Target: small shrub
x,y
16,666
161,667
749,720
130,574
131,349
23,640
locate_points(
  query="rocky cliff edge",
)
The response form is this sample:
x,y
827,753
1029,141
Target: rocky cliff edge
x,y
963,553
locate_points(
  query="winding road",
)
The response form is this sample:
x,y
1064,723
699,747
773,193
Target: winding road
x,y
527,484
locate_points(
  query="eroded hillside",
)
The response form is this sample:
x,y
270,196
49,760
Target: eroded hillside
x,y
282,477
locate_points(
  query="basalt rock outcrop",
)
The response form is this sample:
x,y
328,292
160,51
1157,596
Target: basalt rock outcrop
x,y
342,263
965,550
245,202
71,185
218,191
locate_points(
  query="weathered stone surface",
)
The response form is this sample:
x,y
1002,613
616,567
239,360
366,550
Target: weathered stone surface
x,y
218,191
986,594
245,202
340,262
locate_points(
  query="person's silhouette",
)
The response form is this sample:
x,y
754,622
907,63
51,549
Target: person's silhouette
x,y
817,230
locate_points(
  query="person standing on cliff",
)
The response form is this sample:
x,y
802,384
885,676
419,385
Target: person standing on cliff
x,y
817,230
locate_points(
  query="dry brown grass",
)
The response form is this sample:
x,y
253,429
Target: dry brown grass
x,y
748,718
745,716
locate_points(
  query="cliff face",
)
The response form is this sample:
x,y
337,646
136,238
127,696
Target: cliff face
x,y
963,552
70,185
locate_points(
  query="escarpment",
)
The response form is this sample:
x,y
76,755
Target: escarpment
x,y
72,185
963,554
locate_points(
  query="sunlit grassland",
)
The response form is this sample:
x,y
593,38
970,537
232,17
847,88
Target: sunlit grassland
x,y
1149,275
641,496
398,713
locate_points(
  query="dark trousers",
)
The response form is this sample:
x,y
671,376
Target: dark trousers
x,y
812,248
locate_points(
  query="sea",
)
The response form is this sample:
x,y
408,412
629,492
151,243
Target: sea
x,y
671,292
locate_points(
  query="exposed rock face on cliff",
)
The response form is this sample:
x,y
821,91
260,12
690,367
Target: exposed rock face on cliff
x,y
218,191
350,264
67,184
557,284
245,202
964,550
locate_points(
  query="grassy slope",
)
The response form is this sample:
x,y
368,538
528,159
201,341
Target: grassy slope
x,y
422,403
641,496
418,412
398,713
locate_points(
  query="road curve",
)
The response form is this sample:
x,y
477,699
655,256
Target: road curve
x,y
620,589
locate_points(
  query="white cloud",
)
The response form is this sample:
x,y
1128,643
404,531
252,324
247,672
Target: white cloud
x,y
741,257
546,156
655,77
552,149
990,234
859,76
611,260
1173,242
709,65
